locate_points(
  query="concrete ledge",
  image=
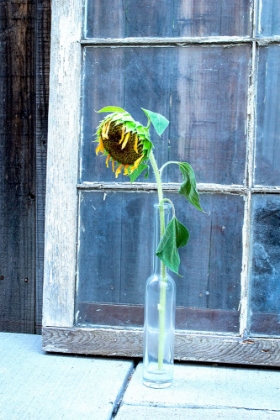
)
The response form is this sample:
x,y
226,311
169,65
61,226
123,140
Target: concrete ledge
x,y
42,386
166,413
201,391
35,385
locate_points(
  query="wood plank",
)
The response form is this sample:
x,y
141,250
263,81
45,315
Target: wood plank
x,y
265,323
181,41
267,121
170,187
188,346
43,17
166,18
95,269
17,166
209,83
62,164
102,314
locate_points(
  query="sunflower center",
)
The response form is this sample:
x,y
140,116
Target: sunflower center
x,y
123,147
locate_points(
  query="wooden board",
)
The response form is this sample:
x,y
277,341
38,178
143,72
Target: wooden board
x,y
43,34
17,166
188,346
24,68
62,165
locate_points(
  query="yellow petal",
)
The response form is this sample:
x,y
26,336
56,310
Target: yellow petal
x,y
118,171
126,140
136,144
100,147
108,128
126,170
136,163
113,166
104,130
123,133
107,161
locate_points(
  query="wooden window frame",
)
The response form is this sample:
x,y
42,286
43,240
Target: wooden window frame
x,y
59,331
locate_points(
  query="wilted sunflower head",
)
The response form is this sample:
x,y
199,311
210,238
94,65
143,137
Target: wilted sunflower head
x,y
123,140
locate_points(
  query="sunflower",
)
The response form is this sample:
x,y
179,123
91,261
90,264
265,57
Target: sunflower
x,y
124,141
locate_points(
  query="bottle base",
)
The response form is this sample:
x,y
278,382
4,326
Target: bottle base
x,y
155,384
155,378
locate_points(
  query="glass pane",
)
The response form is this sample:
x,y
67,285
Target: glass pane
x,y
202,91
268,122
167,18
115,260
265,270
269,17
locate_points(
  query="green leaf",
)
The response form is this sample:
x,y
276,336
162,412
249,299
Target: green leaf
x,y
188,186
175,236
127,118
142,130
146,175
111,109
130,125
147,146
135,174
119,117
159,121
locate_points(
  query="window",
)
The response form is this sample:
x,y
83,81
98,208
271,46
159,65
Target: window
x,y
211,68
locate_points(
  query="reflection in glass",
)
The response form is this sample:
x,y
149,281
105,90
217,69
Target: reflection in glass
x,y
265,266
167,18
202,91
115,259
268,122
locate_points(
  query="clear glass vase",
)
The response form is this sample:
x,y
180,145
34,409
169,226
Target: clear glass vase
x,y
159,320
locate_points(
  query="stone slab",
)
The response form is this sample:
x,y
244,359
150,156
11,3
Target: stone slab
x,y
41,386
165,413
207,386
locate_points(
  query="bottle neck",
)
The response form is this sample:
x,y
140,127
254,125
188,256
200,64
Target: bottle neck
x,y
166,210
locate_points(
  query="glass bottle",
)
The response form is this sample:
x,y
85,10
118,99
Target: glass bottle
x,y
159,319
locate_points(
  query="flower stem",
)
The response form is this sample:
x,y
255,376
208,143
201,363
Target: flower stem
x,y
162,299
168,163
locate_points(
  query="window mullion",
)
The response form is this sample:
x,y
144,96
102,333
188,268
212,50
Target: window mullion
x,y
153,41
249,179
168,186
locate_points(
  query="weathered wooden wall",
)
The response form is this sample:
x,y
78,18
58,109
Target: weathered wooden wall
x,y
24,71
